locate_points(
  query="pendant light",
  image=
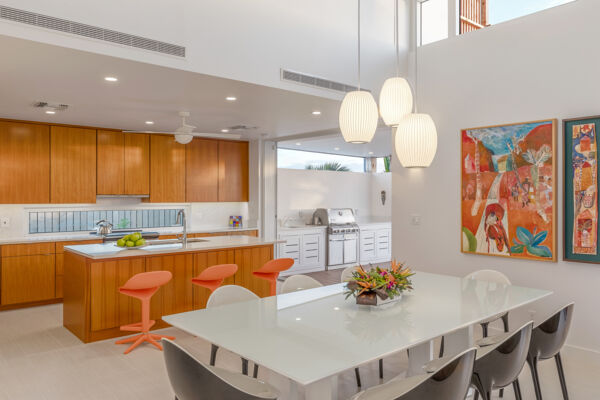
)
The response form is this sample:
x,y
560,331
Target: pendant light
x,y
395,98
416,134
358,113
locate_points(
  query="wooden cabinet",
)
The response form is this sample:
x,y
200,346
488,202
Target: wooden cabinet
x,y
251,259
24,163
205,260
123,166
233,171
177,295
167,170
72,165
27,279
202,170
60,263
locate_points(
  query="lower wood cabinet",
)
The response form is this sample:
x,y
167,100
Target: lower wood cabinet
x,y
177,295
27,279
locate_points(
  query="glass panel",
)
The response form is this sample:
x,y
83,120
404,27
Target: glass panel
x,y
298,159
504,10
434,20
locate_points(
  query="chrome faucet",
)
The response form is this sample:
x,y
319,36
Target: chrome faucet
x,y
181,220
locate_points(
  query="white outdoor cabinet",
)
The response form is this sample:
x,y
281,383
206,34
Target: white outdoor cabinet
x,y
306,246
375,243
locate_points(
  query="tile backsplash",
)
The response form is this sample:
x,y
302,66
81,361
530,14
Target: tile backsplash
x,y
77,221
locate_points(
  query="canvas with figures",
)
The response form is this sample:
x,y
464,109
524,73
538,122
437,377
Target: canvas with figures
x,y
508,188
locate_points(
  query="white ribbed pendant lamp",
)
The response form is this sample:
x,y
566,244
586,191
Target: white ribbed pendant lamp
x,y
395,98
416,135
358,112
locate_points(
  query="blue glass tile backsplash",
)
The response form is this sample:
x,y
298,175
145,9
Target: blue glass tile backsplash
x,y
77,221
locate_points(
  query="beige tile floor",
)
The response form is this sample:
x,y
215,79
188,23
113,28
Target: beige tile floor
x,y
39,359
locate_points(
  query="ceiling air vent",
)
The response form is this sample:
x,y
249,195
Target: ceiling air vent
x,y
89,31
315,81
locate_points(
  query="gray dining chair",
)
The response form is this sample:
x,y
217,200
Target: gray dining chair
x,y
193,380
451,380
500,360
547,339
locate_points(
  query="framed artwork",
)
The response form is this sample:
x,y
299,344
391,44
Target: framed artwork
x,y
508,186
581,190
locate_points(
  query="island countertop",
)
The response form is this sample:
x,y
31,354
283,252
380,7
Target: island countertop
x,y
111,250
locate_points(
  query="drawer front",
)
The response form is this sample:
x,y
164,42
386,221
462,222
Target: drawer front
x,y
27,279
60,246
290,248
16,250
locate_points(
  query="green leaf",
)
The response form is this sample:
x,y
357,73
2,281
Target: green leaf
x,y
517,249
539,238
524,235
539,251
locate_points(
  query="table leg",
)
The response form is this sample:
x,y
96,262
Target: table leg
x,y
325,389
419,356
458,341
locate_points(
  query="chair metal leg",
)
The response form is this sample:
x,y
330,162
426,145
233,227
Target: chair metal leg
x,y
535,376
357,373
442,347
244,366
255,373
381,368
505,322
517,389
213,354
480,390
561,376
484,327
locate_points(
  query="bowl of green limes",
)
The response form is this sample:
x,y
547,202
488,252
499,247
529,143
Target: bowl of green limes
x,y
132,241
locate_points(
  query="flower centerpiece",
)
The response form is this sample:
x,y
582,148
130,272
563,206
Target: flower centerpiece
x,y
379,285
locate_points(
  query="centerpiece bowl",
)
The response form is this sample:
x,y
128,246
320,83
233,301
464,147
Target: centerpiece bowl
x,y
378,286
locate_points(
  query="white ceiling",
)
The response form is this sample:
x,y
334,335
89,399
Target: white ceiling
x,y
32,71
381,146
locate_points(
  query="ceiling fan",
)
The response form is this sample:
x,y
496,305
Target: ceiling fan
x,y
185,133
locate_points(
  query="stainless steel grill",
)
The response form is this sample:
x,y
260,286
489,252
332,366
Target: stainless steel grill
x,y
342,235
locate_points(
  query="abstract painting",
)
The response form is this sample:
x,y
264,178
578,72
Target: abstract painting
x,y
508,186
581,189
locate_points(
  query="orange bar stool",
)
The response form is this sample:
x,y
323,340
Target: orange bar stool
x,y
213,277
270,271
143,286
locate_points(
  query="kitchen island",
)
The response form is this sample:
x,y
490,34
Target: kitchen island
x,y
94,309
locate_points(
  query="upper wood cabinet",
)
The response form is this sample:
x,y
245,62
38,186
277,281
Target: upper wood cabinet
x,y
167,170
72,165
233,171
24,163
202,170
123,163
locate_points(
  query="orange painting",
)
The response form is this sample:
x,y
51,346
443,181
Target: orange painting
x,y
508,190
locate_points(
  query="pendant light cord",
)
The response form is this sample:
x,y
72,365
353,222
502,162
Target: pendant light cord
x,y
420,30
358,44
396,38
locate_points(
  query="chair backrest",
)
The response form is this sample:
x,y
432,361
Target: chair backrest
x,y
217,272
489,275
147,280
296,283
502,362
277,265
229,294
549,337
450,381
347,273
193,380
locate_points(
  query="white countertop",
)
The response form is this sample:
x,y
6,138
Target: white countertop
x,y
76,236
297,227
317,333
111,250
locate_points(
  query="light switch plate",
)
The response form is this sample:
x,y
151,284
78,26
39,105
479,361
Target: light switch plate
x,y
4,222
415,219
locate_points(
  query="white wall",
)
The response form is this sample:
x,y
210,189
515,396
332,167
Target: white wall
x,y
300,190
238,39
536,67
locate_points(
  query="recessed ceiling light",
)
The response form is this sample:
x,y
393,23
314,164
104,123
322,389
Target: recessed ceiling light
x,y
224,130
336,308
110,79
298,144
50,112
298,318
316,112
231,98
336,148
370,152
149,122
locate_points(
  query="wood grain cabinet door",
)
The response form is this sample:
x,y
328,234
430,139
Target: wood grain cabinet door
x,y
27,278
233,171
137,164
202,170
167,170
111,163
72,165
24,163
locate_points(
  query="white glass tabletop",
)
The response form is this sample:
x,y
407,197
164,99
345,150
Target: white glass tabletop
x,y
317,333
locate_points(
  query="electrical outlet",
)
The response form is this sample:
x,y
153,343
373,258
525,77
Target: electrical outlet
x,y
415,219
4,222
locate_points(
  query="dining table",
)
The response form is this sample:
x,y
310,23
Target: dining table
x,y
313,335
